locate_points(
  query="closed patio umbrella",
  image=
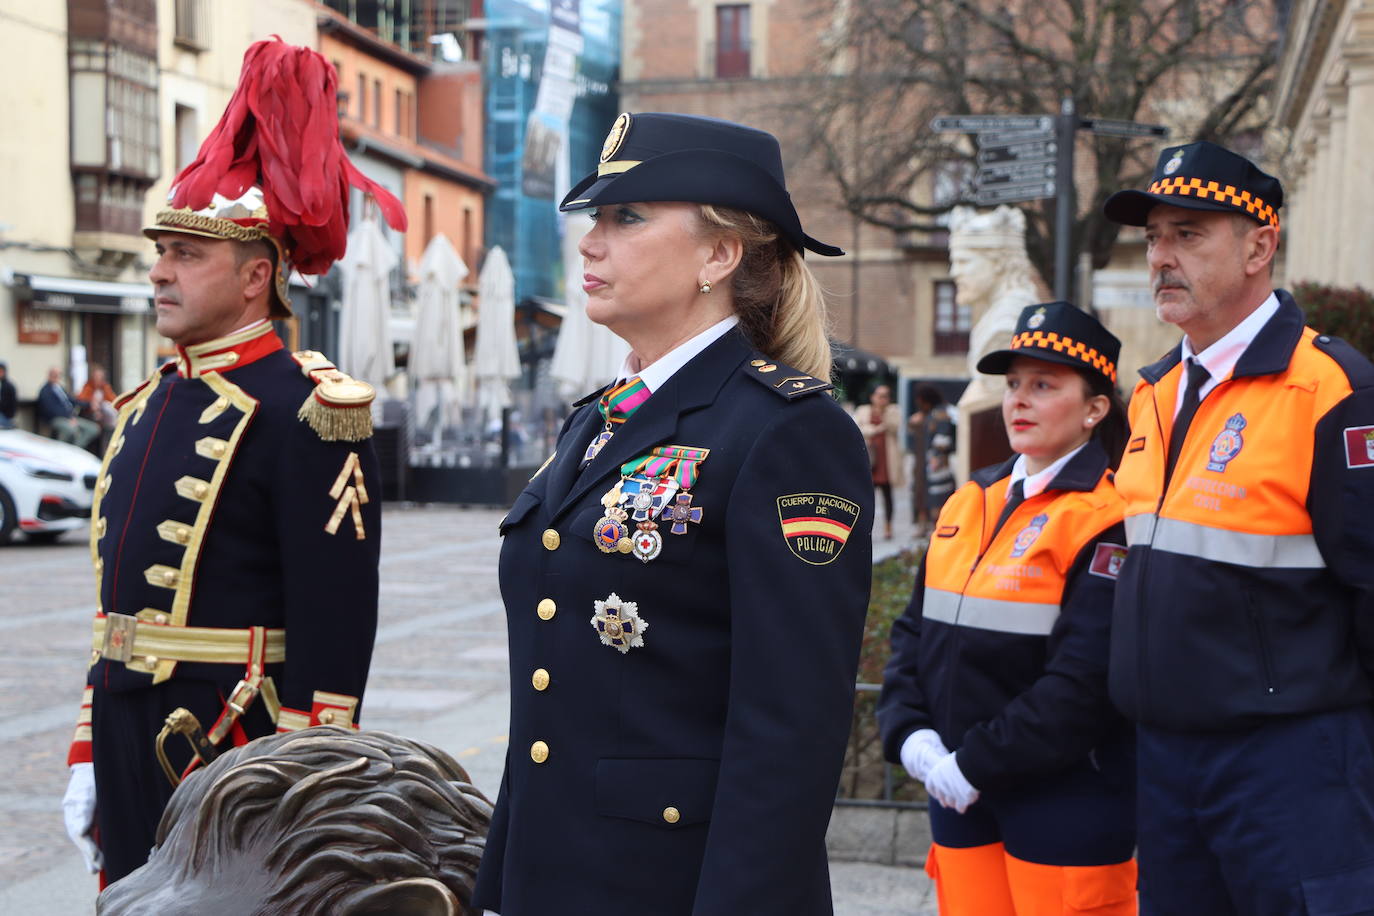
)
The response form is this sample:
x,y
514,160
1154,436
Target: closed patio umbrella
x,y
437,362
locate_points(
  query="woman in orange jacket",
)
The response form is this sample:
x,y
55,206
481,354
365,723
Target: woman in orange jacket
x,y
996,694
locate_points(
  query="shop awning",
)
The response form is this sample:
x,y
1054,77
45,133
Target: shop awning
x,y
70,294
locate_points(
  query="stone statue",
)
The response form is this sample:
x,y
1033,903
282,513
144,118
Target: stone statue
x,y
322,820
993,277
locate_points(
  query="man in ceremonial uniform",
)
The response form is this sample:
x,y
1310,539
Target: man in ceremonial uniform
x,y
1241,640
237,502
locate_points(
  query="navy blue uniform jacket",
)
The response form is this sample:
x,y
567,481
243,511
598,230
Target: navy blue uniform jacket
x,y
212,510
1016,704
735,711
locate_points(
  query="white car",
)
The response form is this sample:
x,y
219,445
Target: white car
x,y
45,486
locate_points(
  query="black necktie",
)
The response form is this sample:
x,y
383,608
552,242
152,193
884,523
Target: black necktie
x,y
1015,498
1197,376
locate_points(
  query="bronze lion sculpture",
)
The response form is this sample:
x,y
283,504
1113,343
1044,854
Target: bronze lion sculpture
x,y
324,820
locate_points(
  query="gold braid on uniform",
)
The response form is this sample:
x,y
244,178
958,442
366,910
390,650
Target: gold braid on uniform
x,y
223,228
340,407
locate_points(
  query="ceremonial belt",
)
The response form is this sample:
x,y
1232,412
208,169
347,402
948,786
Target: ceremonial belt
x,y
121,638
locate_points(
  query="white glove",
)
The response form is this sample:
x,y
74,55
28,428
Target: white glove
x,y
78,810
947,785
921,750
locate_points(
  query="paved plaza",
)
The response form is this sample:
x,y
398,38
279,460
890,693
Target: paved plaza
x,y
438,674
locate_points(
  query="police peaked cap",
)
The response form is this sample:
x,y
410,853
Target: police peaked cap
x,y
1201,176
1057,332
674,157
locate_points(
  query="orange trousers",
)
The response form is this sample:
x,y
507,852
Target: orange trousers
x,y
987,881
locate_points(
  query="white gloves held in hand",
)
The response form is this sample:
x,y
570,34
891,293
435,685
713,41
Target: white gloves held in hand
x,y
921,750
946,784
78,811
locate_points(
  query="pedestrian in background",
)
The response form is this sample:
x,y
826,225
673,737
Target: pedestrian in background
x,y
996,694
98,396
940,443
1242,643
920,501
61,412
9,399
880,421
686,579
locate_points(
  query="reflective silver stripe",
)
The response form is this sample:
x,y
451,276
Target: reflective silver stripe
x,y
989,613
1284,551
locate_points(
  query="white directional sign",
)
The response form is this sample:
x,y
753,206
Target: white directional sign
x,y
1002,137
1006,172
1111,128
1013,152
1010,193
972,124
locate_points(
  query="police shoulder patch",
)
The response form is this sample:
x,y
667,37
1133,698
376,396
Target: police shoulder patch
x,y
783,380
816,526
1107,560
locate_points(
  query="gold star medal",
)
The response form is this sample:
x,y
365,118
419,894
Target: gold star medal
x,y
618,623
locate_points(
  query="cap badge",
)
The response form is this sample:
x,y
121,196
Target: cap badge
x,y
1172,165
616,137
1227,444
619,625
1036,320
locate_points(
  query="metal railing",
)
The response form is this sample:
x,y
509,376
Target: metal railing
x,y
889,775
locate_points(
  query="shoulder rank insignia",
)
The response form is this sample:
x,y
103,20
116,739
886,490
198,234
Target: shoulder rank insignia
x,y
782,380
351,492
340,407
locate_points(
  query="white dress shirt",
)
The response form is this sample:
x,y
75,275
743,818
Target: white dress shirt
x,y
1221,357
660,370
1036,483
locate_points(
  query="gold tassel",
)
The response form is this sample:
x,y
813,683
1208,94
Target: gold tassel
x,y
337,424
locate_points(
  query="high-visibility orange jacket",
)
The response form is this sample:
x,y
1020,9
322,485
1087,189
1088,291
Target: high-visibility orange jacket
x,y
1003,649
1247,590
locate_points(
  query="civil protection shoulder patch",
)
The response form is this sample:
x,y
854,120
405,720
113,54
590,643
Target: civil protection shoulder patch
x,y
1359,446
1107,560
816,526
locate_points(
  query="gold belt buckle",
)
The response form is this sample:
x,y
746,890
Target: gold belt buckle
x,y
119,637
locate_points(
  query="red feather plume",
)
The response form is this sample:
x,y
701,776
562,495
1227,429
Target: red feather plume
x,y
280,131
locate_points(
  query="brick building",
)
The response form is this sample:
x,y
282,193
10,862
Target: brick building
x,y
890,294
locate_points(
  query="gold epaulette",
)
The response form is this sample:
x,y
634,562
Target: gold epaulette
x,y
340,407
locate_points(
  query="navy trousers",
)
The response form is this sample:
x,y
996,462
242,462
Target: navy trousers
x,y
130,787
1275,821
1083,816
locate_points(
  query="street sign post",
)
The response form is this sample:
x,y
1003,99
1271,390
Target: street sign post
x,y
972,124
1030,157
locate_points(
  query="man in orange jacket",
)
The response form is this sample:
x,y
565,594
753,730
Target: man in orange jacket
x,y
1241,641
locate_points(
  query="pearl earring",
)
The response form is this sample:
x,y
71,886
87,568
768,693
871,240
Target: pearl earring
x,y
706,286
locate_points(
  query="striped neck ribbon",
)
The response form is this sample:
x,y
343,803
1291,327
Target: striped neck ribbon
x,y
616,406
620,403
680,462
